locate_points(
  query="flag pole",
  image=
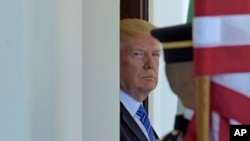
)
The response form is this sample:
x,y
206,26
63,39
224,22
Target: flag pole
x,y
203,108
203,96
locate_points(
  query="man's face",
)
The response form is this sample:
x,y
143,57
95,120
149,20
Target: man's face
x,y
181,79
139,64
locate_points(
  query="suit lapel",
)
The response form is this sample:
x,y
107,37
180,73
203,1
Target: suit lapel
x,y
131,123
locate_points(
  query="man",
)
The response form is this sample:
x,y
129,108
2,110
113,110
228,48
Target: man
x,y
139,64
178,54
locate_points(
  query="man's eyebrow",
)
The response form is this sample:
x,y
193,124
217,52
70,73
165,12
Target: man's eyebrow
x,y
139,49
157,50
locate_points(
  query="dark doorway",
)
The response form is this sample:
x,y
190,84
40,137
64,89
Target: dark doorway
x,y
135,9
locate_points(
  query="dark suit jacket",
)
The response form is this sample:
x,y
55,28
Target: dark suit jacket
x,y
129,129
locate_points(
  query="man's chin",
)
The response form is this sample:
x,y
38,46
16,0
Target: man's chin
x,y
149,88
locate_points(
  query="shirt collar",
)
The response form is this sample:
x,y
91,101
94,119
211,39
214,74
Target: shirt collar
x,y
130,103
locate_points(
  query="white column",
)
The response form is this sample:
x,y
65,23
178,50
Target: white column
x,y
40,58
101,70
59,70
69,69
53,38
13,98
41,70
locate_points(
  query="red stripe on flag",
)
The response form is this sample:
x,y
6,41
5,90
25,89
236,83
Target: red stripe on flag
x,y
221,7
230,103
217,60
224,129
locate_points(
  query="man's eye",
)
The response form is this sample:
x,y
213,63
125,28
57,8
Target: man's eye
x,y
138,54
156,55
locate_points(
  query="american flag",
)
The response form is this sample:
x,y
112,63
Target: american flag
x,y
221,38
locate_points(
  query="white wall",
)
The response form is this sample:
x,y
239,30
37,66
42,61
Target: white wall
x,y
58,69
163,102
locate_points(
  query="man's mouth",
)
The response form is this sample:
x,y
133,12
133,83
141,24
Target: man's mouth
x,y
149,78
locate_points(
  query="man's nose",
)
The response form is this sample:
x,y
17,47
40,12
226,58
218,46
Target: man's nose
x,y
149,62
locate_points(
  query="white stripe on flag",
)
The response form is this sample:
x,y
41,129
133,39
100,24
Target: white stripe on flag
x,y
234,122
238,82
214,134
215,31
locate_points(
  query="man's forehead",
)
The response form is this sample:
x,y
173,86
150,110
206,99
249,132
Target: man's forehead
x,y
143,43
143,48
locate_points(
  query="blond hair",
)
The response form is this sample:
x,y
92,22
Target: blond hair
x,y
134,27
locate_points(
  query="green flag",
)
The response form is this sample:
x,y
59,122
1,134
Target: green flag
x,y
190,11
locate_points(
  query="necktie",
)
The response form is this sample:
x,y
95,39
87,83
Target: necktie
x,y
145,121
